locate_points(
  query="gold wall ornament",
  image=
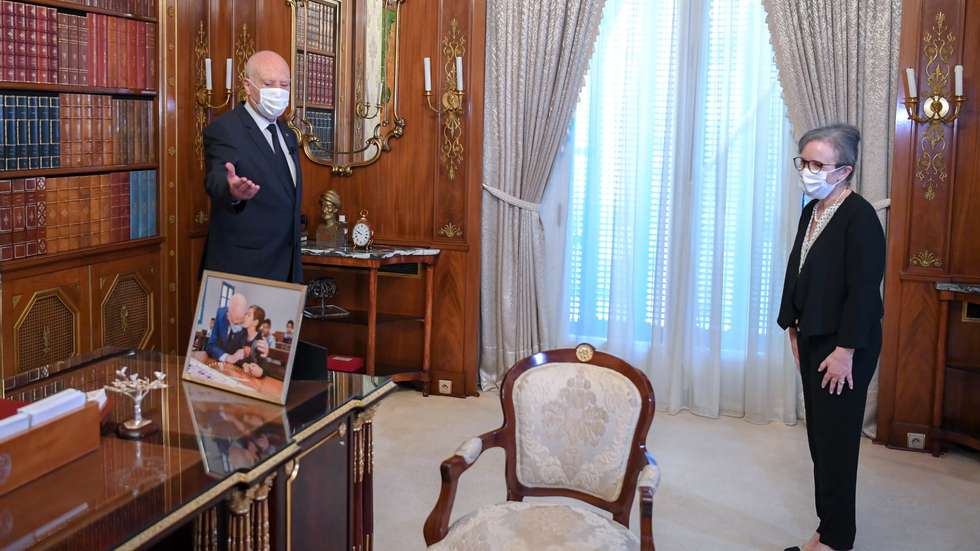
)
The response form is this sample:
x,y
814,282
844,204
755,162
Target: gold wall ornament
x,y
926,259
453,46
201,217
937,109
244,49
930,166
451,231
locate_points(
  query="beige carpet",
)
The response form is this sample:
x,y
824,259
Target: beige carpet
x,y
727,484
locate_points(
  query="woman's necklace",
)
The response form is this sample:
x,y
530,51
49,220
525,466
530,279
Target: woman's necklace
x,y
818,221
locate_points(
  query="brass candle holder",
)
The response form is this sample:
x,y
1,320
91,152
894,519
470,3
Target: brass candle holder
x,y
452,100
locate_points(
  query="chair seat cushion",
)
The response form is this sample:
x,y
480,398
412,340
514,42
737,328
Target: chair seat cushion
x,y
520,526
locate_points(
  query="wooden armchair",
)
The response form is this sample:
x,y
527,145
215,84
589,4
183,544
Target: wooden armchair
x,y
575,425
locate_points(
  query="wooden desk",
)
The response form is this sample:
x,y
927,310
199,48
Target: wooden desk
x,y
223,472
372,262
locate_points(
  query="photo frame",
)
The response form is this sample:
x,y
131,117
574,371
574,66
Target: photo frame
x,y
244,335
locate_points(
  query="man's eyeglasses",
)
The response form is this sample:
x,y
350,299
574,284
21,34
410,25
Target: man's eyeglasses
x,y
813,166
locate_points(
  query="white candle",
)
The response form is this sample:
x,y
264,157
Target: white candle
x,y
958,71
459,73
910,81
428,74
228,73
207,73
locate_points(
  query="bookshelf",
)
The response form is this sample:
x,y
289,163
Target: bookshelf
x,y
80,6
79,176
317,29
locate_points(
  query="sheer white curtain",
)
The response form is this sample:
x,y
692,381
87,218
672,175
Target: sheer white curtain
x,y
677,209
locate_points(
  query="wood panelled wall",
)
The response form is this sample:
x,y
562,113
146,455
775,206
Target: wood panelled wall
x,y
934,224
408,193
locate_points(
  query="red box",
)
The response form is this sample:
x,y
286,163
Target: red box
x,y
350,364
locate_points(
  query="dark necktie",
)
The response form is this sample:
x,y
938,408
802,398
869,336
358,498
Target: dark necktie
x,y
280,156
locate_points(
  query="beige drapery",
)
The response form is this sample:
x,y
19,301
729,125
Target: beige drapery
x,y
838,63
537,56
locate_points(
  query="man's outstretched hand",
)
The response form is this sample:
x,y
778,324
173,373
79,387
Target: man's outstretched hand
x,y
241,188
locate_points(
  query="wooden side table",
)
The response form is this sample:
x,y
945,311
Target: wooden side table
x,y
372,261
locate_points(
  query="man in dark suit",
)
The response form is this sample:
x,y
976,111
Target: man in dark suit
x,y
229,336
253,178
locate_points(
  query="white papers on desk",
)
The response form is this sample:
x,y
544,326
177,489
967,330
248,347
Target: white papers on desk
x,y
14,425
97,396
66,401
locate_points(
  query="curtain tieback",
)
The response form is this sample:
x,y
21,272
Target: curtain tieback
x,y
511,200
882,204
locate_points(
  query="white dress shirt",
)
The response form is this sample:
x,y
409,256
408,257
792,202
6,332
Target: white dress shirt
x,y
263,123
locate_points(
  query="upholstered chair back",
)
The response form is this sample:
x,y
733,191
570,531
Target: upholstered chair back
x,y
579,420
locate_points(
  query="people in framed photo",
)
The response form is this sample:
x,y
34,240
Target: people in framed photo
x,y
233,344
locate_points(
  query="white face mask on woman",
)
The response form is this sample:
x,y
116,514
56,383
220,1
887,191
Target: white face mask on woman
x,y
816,185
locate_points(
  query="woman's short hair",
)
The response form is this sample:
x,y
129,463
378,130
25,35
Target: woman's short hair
x,y
844,138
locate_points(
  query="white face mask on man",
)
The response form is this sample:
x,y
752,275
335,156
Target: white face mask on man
x,y
272,102
816,185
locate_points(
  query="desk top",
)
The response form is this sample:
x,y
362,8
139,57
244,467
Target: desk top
x,y
208,442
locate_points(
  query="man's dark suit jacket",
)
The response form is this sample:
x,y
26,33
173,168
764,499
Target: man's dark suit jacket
x,y
838,290
222,340
258,237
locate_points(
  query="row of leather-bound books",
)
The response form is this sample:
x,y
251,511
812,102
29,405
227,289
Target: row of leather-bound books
x,y
39,44
51,215
316,24
75,130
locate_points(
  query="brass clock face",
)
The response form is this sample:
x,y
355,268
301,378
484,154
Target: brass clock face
x,y
362,234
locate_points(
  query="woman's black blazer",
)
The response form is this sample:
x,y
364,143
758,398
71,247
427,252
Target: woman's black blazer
x,y
838,290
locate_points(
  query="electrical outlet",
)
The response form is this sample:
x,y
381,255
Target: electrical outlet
x,y
445,386
916,440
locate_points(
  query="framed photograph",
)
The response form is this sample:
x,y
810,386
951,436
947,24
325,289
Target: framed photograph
x,y
234,433
244,335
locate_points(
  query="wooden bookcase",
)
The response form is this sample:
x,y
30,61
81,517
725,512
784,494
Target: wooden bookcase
x,y
93,278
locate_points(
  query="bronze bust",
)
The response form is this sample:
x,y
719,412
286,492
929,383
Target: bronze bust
x,y
330,233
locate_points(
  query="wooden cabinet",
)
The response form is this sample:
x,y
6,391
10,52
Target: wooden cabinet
x,y
59,307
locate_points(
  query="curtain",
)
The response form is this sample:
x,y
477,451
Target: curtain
x,y
838,62
681,207
537,55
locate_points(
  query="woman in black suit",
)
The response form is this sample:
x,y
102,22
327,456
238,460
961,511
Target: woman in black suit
x,y
831,308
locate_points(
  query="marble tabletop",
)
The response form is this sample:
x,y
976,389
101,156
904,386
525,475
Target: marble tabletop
x,y
958,287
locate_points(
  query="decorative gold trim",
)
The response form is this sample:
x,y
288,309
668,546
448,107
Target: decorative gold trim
x,y
451,231
584,352
201,51
244,49
926,259
60,295
151,314
206,531
965,318
15,300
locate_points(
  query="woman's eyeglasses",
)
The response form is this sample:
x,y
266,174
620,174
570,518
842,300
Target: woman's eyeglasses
x,y
813,166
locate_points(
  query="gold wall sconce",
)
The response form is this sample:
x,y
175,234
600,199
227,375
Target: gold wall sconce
x,y
936,108
453,49
204,90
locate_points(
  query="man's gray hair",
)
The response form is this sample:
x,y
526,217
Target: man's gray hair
x,y
844,138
